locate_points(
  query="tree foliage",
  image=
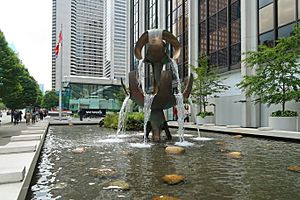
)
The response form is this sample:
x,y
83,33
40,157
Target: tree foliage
x,y
17,89
277,77
207,83
50,100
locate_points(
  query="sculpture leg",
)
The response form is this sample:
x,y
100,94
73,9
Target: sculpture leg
x,y
166,128
148,129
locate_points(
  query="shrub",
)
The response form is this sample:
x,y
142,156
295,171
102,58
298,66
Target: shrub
x,y
286,113
134,122
204,114
111,120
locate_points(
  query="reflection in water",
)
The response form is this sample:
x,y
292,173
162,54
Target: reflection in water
x,y
260,173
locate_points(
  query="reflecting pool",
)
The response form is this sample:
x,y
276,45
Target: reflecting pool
x,y
260,173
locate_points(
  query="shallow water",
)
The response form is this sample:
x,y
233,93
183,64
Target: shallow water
x,y
261,173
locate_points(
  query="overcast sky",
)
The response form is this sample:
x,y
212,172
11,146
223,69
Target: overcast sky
x,y
26,25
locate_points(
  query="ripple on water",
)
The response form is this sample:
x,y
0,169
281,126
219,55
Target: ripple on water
x,y
112,140
184,144
140,145
202,139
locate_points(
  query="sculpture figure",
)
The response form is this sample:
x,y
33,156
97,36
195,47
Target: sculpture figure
x,y
156,56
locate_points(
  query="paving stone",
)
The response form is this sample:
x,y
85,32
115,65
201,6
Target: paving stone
x,y
32,132
25,137
12,175
17,149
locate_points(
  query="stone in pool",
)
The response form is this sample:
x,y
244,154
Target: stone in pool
x,y
118,184
173,179
294,168
174,150
79,150
102,173
234,154
164,197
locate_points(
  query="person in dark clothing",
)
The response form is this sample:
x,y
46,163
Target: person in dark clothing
x,y
81,113
20,115
16,117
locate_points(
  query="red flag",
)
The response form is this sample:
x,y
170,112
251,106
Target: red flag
x,y
56,50
60,37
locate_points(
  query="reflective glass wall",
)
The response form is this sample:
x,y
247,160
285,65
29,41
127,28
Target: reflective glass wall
x,y
220,32
276,18
177,23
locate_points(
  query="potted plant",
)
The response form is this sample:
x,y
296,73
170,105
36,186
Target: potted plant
x,y
277,78
207,83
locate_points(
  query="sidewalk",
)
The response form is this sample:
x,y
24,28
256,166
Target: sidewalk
x,y
231,129
20,146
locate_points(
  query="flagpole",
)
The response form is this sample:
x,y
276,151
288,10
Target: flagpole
x,y
60,80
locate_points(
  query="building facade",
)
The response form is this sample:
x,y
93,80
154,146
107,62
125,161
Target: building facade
x,y
80,65
222,30
82,52
115,54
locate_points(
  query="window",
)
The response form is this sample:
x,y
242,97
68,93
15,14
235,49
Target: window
x,y
286,11
262,3
298,9
285,31
266,19
267,38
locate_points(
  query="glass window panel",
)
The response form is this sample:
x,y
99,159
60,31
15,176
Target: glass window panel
x,y
222,4
262,3
203,39
222,37
202,10
235,53
285,31
213,7
235,11
222,18
212,23
213,41
266,19
235,32
286,11
223,57
213,58
267,39
298,9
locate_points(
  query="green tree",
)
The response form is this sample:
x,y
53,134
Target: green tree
x,y
277,77
17,89
207,83
50,100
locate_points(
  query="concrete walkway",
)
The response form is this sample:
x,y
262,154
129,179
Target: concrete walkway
x,y
20,146
233,129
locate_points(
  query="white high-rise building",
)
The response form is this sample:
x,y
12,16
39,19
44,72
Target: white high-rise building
x,y
116,39
82,23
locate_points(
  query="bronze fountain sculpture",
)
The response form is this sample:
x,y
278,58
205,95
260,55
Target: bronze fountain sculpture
x,y
157,57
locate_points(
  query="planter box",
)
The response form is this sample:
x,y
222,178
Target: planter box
x,y
284,123
205,120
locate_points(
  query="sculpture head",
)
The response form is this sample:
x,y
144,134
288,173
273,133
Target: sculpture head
x,y
156,40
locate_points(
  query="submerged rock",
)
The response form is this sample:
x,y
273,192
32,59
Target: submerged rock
x,y
165,197
222,143
60,185
234,154
79,150
173,179
237,136
294,168
174,150
118,184
102,173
